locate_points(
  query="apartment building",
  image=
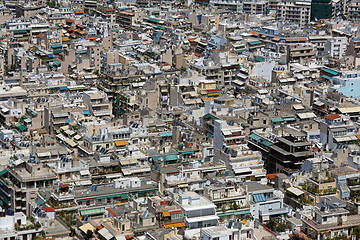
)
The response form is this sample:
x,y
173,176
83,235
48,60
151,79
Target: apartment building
x,y
199,212
296,12
264,202
337,130
288,153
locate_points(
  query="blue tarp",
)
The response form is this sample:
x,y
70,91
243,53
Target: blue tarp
x,y
86,112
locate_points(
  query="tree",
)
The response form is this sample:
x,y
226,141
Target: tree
x,y
356,232
89,234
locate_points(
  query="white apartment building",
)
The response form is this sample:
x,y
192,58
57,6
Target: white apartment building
x,y
336,47
199,212
263,202
242,162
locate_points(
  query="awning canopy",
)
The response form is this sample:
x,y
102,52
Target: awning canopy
x,y
295,191
121,143
92,212
175,225
3,172
166,214
84,172
56,46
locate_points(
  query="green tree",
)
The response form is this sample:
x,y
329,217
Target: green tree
x,y
89,234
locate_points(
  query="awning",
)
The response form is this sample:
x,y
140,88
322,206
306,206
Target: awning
x,y
86,112
166,214
242,212
275,120
255,137
254,43
84,172
295,191
22,128
289,119
20,31
171,157
276,39
121,143
124,196
56,46
202,218
40,202
58,51
92,212
332,72
326,77
187,152
175,225
3,172
57,63
241,170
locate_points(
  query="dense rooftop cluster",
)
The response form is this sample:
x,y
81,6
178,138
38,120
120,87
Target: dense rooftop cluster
x,y
169,120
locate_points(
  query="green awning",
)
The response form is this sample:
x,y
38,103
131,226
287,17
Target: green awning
x,y
326,77
120,35
356,13
58,51
20,31
171,157
166,158
255,137
242,212
266,143
153,20
81,51
332,72
289,119
3,172
92,212
210,115
124,196
255,42
185,47
260,59
56,46
188,152
40,201
115,30
57,63
241,50
21,127
225,214
275,120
